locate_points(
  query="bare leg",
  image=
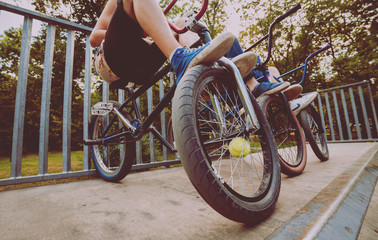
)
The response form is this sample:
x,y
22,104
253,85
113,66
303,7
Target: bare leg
x,y
152,20
251,83
273,72
291,92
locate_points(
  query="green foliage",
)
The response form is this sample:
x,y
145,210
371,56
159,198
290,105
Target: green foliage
x,y
83,12
10,43
215,17
349,26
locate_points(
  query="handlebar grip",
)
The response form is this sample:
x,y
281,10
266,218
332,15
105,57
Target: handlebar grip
x,y
288,13
320,50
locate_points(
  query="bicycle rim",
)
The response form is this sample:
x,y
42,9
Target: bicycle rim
x,y
111,158
220,119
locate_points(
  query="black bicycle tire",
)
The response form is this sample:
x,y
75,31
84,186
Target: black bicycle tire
x,y
127,163
301,152
310,111
197,164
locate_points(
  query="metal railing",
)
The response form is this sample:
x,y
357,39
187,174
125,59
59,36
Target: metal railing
x,y
348,113
20,102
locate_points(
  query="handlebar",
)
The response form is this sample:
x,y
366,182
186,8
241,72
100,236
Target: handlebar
x,y
197,17
270,35
308,58
288,13
319,51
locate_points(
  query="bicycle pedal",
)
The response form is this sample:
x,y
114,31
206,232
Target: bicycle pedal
x,y
101,108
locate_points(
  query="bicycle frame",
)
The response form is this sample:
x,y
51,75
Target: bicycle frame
x,y
304,66
269,36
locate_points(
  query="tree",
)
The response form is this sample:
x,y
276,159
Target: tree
x,y
10,43
349,26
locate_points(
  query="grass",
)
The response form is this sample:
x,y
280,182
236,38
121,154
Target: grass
x,y
30,168
30,164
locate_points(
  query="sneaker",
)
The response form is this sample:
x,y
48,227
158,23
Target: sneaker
x,y
292,92
266,88
300,103
245,63
184,58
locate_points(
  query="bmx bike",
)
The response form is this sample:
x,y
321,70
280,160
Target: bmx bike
x,y
309,118
211,106
286,127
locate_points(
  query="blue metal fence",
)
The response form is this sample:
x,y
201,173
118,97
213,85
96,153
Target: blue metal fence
x,y
20,102
352,120
349,112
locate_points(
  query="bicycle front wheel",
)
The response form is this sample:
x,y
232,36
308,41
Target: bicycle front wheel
x,y
242,185
315,134
113,159
291,145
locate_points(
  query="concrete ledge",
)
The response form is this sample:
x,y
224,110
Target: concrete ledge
x,y
338,208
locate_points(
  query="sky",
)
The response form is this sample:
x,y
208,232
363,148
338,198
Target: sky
x,y
8,19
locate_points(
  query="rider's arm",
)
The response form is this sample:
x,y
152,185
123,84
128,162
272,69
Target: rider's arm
x,y
99,31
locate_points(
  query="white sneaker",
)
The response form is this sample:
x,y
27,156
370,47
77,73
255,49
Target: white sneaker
x,y
300,103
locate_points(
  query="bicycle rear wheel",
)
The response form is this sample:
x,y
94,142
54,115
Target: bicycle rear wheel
x,y
291,145
112,160
310,121
207,116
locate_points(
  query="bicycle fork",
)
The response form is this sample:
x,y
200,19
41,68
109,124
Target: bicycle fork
x,y
252,121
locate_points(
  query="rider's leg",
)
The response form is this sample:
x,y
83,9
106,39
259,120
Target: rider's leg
x,y
292,92
273,71
258,89
152,20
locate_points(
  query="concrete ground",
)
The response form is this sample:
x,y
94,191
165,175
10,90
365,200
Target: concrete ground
x,y
163,204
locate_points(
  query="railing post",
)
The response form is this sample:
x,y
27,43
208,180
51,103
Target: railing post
x,y
347,123
45,100
87,102
67,105
337,115
121,98
162,119
138,144
19,112
151,136
373,109
356,121
329,116
364,113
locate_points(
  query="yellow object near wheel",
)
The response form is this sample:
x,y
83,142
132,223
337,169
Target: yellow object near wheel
x,y
239,147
